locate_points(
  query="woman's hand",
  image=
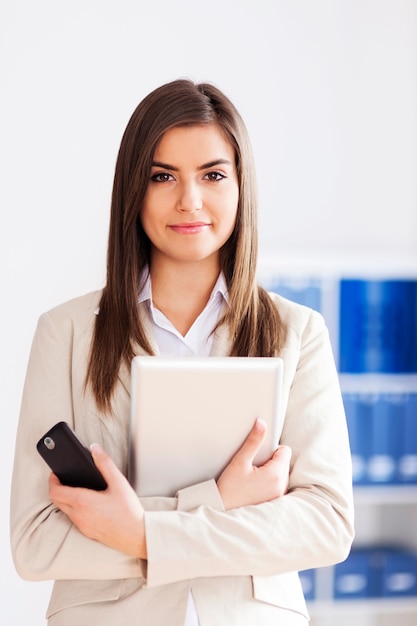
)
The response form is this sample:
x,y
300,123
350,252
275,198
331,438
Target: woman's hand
x,y
242,483
115,517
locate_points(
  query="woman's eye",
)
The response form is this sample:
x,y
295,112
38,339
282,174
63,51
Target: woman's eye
x,y
161,177
215,176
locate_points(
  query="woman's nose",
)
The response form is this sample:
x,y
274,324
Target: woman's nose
x,y
190,198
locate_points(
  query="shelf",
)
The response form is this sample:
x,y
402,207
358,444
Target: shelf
x,y
385,495
365,606
378,383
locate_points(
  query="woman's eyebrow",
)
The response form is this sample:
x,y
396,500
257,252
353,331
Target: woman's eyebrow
x,y
164,166
172,168
214,163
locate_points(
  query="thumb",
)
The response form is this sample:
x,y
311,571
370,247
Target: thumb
x,y
282,455
252,443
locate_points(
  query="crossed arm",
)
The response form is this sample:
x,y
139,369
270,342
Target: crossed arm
x,y
116,518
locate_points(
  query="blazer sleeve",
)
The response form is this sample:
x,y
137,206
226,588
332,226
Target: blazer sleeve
x,y
311,526
45,544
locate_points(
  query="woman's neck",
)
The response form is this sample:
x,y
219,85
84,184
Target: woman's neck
x,y
181,291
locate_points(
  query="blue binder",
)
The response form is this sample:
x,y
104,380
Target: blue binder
x,y
302,292
359,423
352,577
308,583
378,326
407,466
387,438
375,572
400,574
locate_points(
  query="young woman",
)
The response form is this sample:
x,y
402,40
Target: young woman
x,y
181,280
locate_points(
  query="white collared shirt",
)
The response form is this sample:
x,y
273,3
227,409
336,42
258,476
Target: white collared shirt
x,y
199,339
197,342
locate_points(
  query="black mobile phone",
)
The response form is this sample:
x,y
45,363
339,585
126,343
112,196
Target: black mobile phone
x,y
69,458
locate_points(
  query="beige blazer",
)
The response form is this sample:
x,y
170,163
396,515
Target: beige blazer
x,y
240,565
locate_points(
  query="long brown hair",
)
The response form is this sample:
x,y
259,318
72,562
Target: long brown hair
x,y
252,319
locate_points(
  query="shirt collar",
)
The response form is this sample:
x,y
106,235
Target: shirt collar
x,y
145,293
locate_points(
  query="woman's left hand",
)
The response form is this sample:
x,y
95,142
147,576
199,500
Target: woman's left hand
x,y
242,483
115,517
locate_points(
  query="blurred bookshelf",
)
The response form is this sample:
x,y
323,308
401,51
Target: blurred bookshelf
x,y
370,308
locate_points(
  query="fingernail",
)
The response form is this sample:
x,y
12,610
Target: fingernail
x,y
260,425
95,448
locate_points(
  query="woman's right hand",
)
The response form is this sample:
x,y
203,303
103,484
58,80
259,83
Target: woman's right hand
x,y
114,517
242,483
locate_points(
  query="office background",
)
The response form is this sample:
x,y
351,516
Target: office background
x,y
327,88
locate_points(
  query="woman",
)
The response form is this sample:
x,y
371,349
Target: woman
x,y
181,279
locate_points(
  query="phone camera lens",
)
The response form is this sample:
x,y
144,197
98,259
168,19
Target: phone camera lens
x,y
49,443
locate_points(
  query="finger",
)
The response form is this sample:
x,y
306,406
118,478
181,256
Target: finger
x,y
252,443
54,480
54,486
60,494
105,464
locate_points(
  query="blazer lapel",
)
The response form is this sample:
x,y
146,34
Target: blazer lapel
x,y
221,343
124,372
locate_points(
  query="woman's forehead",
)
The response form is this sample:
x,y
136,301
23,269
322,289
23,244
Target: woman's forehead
x,y
199,144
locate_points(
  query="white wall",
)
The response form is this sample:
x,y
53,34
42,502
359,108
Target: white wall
x,y
328,90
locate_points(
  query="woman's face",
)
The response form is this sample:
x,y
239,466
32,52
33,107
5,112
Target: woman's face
x,y
191,202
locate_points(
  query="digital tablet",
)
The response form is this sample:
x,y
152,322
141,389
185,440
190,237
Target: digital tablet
x,y
190,415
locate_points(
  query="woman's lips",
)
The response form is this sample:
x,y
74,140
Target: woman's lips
x,y
189,228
